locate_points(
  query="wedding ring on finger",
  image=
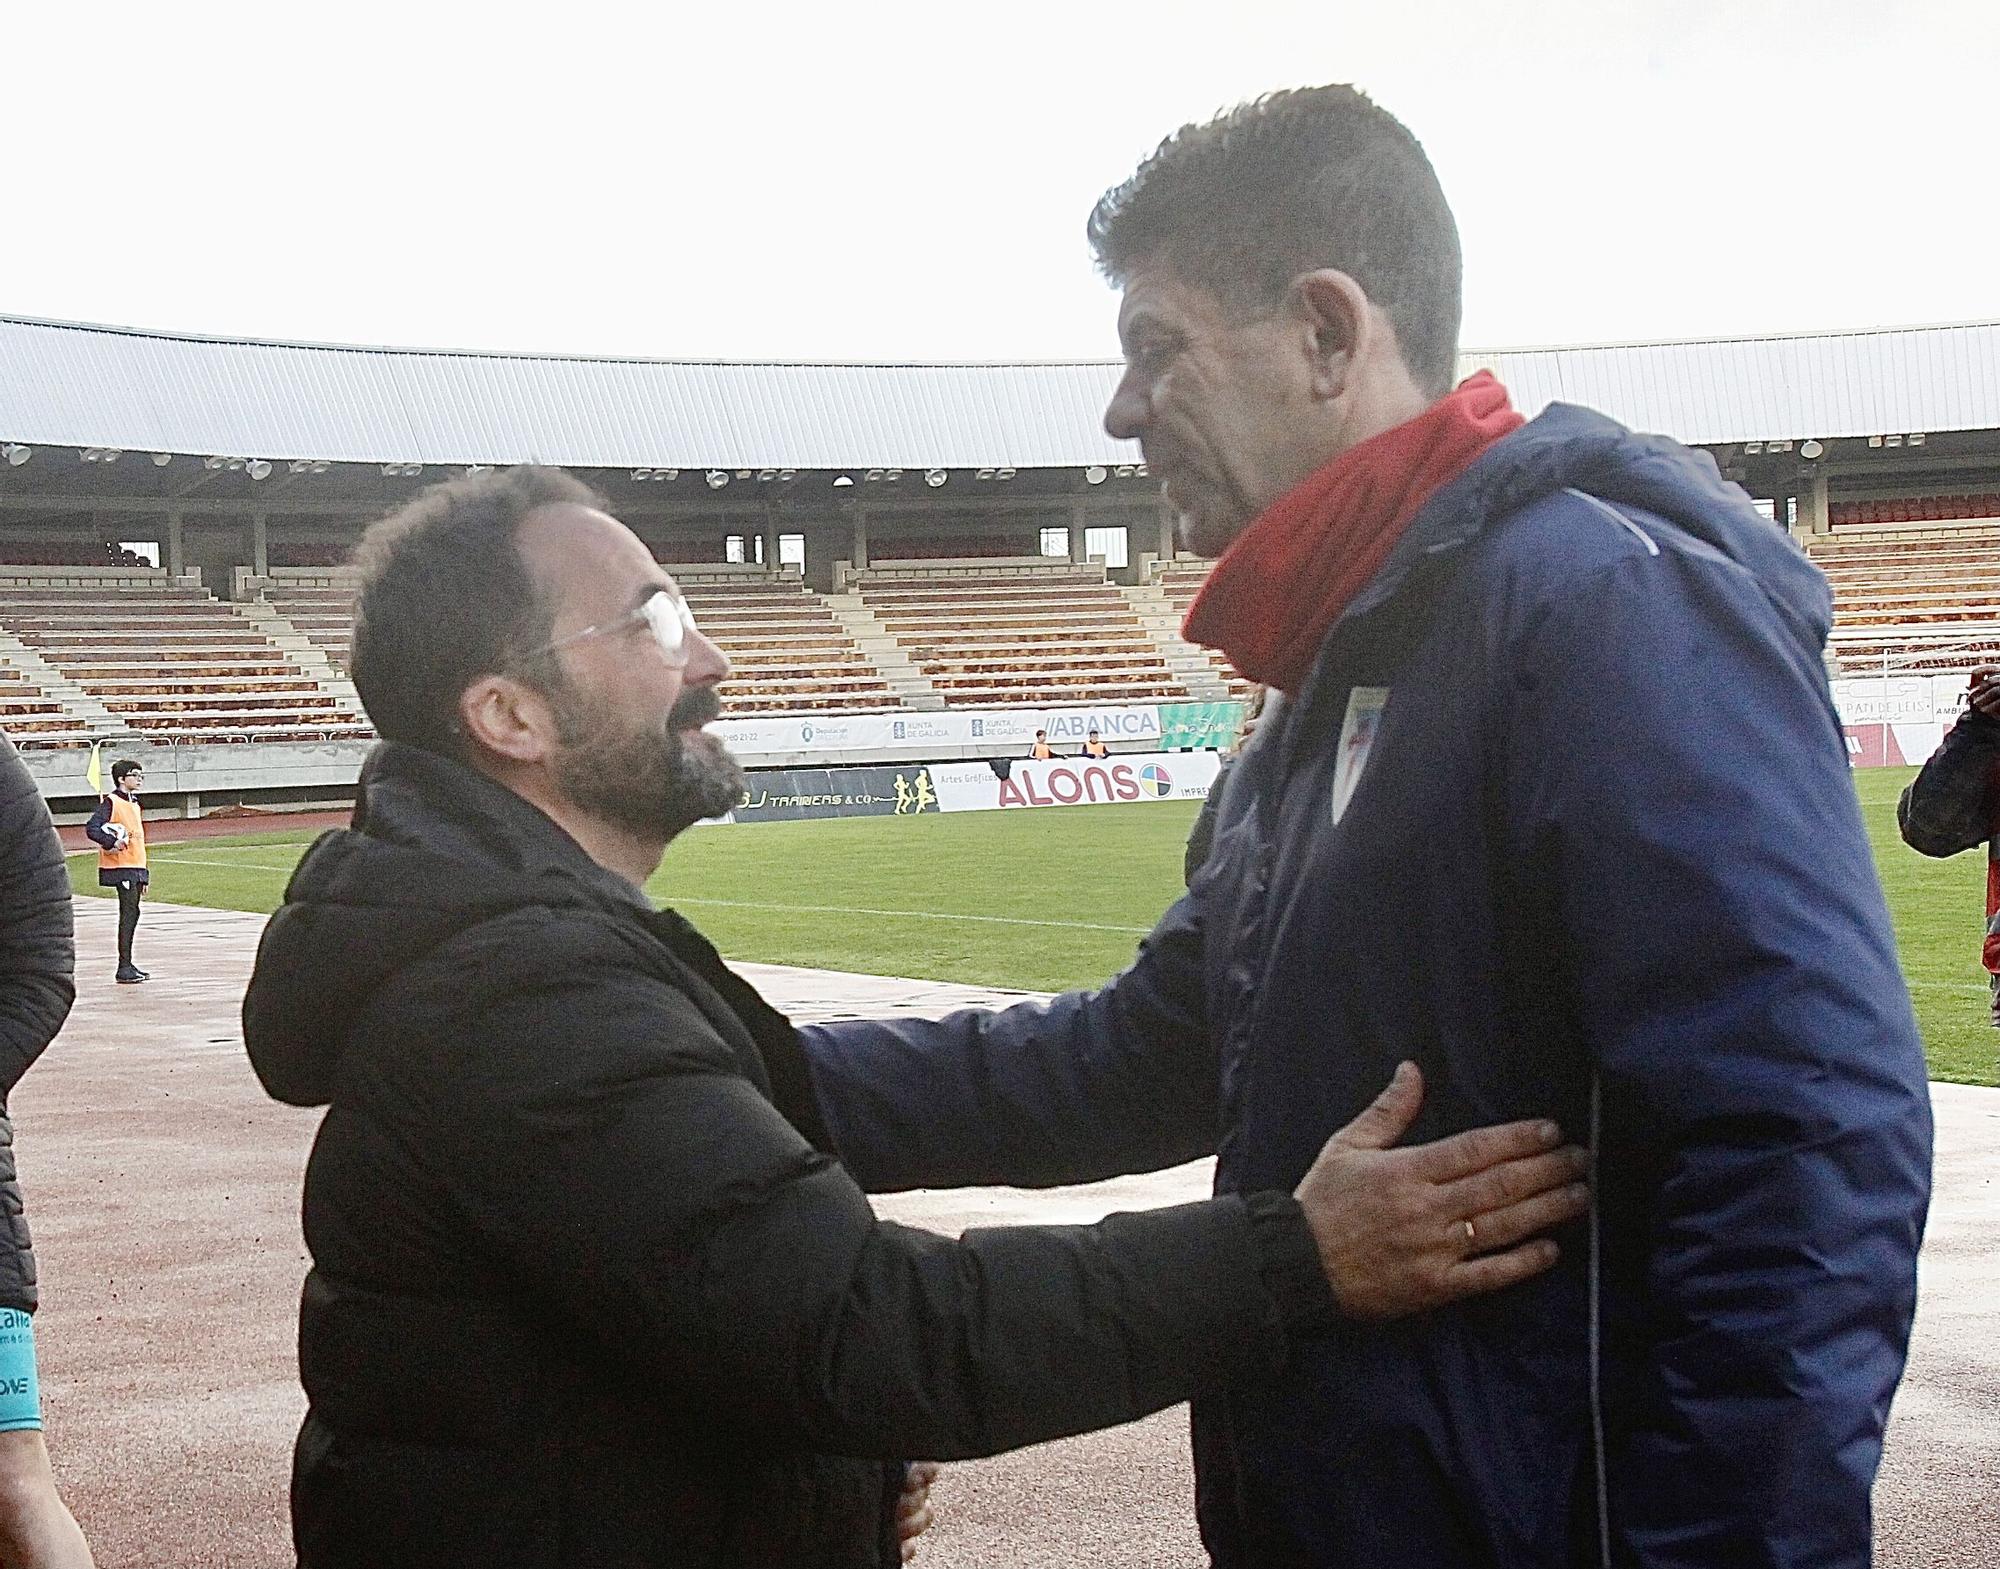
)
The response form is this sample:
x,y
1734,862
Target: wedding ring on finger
x,y
1471,1235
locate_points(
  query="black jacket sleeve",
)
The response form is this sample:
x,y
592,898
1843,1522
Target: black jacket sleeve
x,y
1954,802
37,984
668,1210
37,927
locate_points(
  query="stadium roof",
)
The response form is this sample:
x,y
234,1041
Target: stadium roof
x,y
63,384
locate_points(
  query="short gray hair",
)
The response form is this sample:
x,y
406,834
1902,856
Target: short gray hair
x,y
1296,181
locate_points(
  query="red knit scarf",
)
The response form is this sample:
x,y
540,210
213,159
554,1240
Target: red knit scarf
x,y
1272,596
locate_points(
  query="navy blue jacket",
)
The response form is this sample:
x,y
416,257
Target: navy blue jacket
x,y
1604,862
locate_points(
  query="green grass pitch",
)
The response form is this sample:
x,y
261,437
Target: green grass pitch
x,y
1058,898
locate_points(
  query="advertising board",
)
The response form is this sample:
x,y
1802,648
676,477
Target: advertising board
x,y
1076,781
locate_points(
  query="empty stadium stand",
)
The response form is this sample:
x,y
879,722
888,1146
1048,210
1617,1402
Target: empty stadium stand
x,y
1913,601
316,601
790,652
133,650
1178,582
31,716
1906,511
1017,631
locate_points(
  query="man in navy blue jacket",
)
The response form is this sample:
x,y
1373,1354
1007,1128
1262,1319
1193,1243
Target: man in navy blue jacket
x,y
1555,803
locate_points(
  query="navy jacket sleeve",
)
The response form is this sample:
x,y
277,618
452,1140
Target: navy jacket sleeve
x,y
1954,802
1087,1086
98,830
1677,778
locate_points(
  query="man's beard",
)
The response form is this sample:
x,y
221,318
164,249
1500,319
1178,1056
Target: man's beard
x,y
650,781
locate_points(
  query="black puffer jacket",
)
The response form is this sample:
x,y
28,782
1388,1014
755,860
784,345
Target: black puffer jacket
x,y
37,985
581,1292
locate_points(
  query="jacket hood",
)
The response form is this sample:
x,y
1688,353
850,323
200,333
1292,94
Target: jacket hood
x,y
434,850
1571,448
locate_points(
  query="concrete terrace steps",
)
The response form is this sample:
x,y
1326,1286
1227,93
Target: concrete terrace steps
x,y
911,687
1207,675
170,660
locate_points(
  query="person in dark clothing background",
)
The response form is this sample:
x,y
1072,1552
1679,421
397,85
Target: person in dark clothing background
x,y
37,986
589,1283
118,829
1954,804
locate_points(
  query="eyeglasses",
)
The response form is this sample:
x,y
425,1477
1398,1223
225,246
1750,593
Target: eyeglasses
x,y
665,614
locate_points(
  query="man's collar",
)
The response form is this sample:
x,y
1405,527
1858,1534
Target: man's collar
x,y
489,819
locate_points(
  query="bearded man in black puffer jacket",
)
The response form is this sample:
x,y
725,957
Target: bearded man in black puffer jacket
x,y
589,1286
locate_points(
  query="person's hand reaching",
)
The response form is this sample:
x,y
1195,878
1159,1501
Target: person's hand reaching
x,y
1400,1230
913,1509
1983,690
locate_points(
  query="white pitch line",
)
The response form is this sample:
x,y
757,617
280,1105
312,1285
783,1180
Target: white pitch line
x,y
913,915
747,904
197,860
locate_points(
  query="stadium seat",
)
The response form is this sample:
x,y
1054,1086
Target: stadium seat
x,y
1915,602
1023,632
167,660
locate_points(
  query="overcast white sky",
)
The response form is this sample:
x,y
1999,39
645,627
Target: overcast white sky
x,y
884,181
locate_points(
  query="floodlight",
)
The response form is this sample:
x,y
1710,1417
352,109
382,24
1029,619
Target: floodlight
x,y
766,475
872,475
785,475
1004,474
841,481
892,475
213,464
258,468
984,474
716,479
1812,449
935,477
1095,474
16,454
1917,440
162,459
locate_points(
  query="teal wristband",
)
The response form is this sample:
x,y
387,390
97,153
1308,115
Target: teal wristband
x,y
20,1388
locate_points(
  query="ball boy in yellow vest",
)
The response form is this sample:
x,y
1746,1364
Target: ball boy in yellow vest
x,y
118,829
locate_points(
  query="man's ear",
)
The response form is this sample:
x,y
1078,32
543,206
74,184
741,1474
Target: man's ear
x,y
1339,324
507,718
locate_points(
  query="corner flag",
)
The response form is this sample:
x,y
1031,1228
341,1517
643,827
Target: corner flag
x,y
95,772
